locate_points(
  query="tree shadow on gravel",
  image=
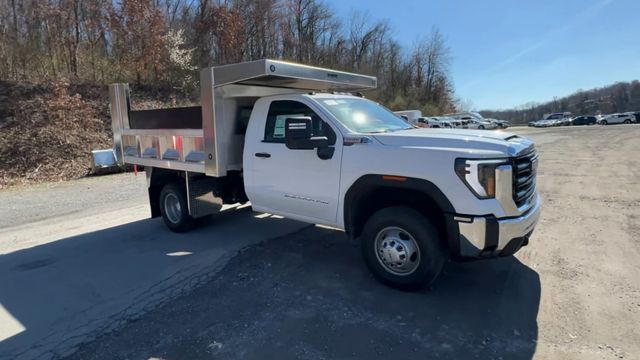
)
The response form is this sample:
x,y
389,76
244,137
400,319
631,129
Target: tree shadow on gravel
x,y
309,295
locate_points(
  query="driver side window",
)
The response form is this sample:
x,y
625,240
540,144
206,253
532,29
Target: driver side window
x,y
280,110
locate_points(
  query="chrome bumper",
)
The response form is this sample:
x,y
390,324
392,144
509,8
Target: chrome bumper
x,y
487,236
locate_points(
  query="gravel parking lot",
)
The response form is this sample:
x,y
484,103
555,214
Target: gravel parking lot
x,y
303,291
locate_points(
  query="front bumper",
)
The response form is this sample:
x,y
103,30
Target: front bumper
x,y
472,237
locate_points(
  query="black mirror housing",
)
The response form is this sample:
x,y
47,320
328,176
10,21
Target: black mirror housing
x,y
298,132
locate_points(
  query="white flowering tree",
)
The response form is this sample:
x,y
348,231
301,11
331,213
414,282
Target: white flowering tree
x,y
182,71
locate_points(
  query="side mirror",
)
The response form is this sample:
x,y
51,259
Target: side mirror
x,y
298,134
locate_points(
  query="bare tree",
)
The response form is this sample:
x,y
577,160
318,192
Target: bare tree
x,y
161,41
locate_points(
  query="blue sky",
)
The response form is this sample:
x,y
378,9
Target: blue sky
x,y
509,52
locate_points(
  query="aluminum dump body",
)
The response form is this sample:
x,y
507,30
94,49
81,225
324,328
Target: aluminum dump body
x,y
206,139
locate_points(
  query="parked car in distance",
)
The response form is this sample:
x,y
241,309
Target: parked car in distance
x,y
470,122
445,122
553,119
473,120
557,116
502,124
635,116
481,124
452,123
584,120
544,123
429,122
564,121
411,116
620,118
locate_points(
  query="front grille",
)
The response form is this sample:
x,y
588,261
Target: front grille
x,y
524,177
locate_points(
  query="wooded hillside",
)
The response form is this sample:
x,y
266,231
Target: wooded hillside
x,y
57,56
165,41
619,97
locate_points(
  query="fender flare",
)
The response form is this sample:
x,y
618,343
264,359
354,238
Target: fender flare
x,y
367,183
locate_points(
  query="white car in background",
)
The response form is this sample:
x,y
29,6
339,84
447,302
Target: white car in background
x,y
474,120
621,118
558,116
425,122
554,119
433,122
545,123
564,121
445,121
481,124
502,124
411,116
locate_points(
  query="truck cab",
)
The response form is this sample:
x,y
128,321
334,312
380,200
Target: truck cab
x,y
412,197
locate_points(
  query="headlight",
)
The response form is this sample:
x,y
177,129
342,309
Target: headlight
x,y
479,175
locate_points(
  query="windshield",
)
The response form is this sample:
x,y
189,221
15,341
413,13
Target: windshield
x,y
364,116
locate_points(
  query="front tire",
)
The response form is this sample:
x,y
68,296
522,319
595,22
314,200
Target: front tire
x,y
481,127
175,209
603,122
402,248
627,121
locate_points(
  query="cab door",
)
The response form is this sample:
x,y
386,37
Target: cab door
x,y
295,183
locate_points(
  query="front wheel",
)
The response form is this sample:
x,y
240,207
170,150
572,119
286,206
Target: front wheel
x,y
627,121
175,209
402,248
603,122
481,127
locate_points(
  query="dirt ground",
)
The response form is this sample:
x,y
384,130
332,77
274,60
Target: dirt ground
x,y
573,293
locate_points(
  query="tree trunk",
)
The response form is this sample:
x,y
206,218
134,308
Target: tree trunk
x,y
76,42
15,53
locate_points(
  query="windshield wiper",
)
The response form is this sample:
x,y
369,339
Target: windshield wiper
x,y
394,130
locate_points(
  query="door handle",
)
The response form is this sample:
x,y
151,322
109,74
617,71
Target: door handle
x,y
263,155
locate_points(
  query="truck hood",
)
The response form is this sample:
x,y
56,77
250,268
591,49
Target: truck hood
x,y
481,142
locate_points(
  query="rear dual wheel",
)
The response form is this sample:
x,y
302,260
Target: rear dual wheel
x,y
175,209
402,248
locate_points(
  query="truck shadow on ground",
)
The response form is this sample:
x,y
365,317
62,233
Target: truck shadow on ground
x,y
57,295
308,295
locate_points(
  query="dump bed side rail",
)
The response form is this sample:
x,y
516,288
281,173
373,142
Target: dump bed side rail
x,y
172,139
177,149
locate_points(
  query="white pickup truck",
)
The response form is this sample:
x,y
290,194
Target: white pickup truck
x,y
274,133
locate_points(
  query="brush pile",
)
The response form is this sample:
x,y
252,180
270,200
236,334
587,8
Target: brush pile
x,y
47,131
